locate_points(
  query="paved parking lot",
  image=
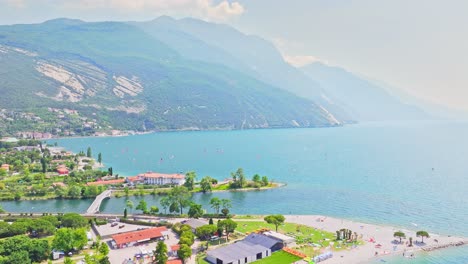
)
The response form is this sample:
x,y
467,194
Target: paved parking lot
x,y
117,256
107,230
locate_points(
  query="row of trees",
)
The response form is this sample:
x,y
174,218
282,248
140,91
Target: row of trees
x,y
422,234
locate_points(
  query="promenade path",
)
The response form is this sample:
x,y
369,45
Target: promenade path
x,y
94,207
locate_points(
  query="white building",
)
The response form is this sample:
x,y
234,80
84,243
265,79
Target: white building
x,y
155,178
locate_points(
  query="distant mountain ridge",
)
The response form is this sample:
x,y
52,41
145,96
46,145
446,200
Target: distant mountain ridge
x,y
118,73
172,74
358,100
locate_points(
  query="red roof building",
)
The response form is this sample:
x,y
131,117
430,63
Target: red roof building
x,y
130,238
62,170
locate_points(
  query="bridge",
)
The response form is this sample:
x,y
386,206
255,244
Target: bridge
x,y
94,207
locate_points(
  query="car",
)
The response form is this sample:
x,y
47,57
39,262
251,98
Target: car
x,y
114,224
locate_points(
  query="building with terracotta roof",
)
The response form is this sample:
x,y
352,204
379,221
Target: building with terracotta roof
x,y
62,170
131,238
110,182
5,167
155,178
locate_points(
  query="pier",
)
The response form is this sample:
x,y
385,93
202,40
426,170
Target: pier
x,y
94,207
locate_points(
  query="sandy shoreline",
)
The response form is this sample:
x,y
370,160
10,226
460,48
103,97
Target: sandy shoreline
x,y
382,235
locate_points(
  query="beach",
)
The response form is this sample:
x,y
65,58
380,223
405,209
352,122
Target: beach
x,y
382,235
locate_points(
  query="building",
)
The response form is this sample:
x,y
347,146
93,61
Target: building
x,y
269,242
286,240
131,238
155,178
173,250
238,253
6,167
62,170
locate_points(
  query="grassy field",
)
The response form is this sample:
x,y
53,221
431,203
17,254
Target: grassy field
x,y
278,257
302,233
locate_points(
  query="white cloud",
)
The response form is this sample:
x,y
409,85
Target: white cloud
x,y
300,60
206,9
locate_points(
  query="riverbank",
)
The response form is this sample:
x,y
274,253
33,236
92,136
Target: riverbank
x,y
375,235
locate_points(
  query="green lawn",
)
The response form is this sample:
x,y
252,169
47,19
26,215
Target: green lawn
x,y
278,257
303,234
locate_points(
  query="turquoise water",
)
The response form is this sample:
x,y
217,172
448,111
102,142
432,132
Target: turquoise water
x,y
394,173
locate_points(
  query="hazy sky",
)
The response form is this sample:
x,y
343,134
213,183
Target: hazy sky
x,y
420,46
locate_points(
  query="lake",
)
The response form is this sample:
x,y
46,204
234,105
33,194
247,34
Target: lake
x,y
403,174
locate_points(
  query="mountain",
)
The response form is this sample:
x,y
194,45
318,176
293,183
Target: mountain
x,y
122,76
342,93
364,100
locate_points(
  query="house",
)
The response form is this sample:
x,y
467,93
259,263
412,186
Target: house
x,y
240,252
62,170
269,242
174,249
6,167
129,239
155,178
286,240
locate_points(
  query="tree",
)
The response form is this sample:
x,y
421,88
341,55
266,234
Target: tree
x,y
44,165
205,184
129,204
67,239
127,191
110,171
104,249
52,219
399,234
187,237
74,191
99,159
422,234
165,202
125,212
195,210
228,226
238,178
142,206
160,253
265,181
74,220
181,196
184,252
276,220
215,203
154,209
190,178
204,232
225,205
89,154
42,227
68,260
256,178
